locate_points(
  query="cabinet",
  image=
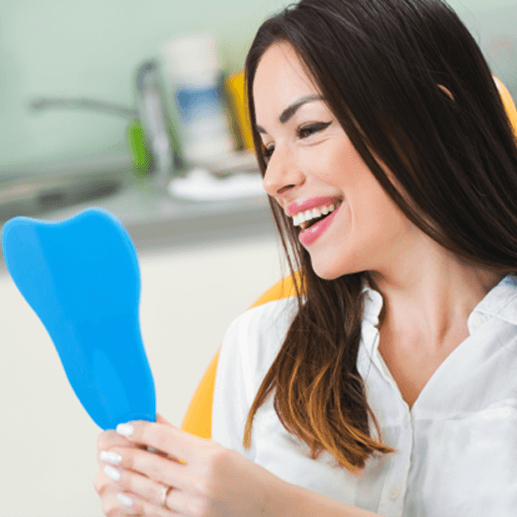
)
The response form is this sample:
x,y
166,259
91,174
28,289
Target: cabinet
x,y
189,297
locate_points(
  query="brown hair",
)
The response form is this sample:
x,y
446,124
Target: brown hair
x,y
378,65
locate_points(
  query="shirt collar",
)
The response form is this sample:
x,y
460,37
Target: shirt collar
x,y
500,302
372,304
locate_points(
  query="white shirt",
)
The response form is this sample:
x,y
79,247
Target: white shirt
x,y
456,448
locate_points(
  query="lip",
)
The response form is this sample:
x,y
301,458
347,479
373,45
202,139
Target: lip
x,y
314,232
308,204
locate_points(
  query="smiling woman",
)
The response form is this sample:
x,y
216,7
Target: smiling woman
x,y
312,165
395,120
387,385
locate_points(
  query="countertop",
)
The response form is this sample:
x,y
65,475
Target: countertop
x,y
154,219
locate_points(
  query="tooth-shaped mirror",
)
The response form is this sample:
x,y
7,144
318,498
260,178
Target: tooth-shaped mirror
x,y
81,277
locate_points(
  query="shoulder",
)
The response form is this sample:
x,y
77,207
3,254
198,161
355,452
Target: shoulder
x,y
270,317
255,337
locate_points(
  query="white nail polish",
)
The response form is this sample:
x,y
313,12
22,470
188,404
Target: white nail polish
x,y
125,429
111,457
124,499
112,473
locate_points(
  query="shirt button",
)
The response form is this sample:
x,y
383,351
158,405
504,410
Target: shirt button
x,y
394,492
478,320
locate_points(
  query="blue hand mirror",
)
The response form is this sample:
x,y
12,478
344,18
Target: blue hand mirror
x,y
81,277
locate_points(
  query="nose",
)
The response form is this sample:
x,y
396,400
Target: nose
x,y
283,175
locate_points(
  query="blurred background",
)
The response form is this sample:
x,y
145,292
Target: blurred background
x,y
97,109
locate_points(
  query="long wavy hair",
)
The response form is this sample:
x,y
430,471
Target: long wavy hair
x,y
378,65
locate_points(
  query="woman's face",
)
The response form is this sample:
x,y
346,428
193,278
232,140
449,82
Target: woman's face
x,y
313,168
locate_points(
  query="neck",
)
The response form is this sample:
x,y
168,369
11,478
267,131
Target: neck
x,y
431,294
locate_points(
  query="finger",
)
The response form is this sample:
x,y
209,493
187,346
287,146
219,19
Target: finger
x,y
112,455
111,438
111,503
142,507
145,494
167,438
118,504
160,469
114,502
104,484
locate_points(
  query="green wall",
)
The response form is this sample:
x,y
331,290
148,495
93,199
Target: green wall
x,y
92,49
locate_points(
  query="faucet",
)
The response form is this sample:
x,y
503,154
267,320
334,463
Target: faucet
x,y
153,116
150,111
82,103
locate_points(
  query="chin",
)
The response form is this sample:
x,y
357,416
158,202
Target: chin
x,y
329,270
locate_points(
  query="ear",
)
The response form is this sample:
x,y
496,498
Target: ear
x,y
446,91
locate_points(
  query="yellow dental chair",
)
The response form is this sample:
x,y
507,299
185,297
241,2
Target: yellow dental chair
x,y
198,418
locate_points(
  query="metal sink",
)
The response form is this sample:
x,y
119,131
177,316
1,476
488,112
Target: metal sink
x,y
35,194
39,195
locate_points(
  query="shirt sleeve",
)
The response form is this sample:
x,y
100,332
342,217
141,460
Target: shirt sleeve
x,y
233,391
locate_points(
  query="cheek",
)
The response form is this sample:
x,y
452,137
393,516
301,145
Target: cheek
x,y
373,212
386,223
346,170
322,161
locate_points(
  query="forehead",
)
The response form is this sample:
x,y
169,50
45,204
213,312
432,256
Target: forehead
x,y
280,79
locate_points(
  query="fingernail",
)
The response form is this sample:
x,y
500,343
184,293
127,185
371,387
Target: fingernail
x,y
125,429
124,499
111,457
112,473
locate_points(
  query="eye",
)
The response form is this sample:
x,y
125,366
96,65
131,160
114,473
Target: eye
x,y
268,151
311,129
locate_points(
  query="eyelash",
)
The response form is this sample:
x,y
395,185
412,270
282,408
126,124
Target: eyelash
x,y
302,132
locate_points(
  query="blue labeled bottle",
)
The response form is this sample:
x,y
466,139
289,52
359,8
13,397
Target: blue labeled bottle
x,y
193,63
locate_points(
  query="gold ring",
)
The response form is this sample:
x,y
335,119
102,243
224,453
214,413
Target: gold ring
x,y
165,493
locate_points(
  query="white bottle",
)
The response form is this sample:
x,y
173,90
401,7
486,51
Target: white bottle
x,y
194,65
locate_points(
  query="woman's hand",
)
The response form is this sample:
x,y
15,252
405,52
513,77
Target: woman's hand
x,y
208,480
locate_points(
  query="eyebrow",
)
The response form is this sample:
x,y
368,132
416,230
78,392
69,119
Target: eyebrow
x,y
292,109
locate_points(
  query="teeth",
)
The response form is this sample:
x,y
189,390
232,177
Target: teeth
x,y
303,217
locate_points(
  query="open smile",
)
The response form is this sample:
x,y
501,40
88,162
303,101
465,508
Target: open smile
x,y
308,212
